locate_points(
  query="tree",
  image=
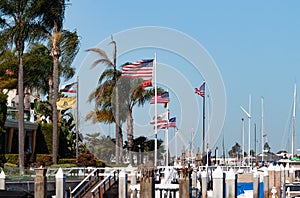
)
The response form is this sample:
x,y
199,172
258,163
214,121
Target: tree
x,y
20,22
62,41
132,94
104,60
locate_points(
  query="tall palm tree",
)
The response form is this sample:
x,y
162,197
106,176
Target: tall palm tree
x,y
20,21
132,94
106,61
65,44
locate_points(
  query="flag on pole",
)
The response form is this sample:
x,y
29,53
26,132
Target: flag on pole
x,y
161,98
139,69
171,124
162,118
66,103
147,83
201,91
70,88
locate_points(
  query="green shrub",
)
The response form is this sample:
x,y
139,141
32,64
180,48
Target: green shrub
x,y
99,163
63,165
67,161
44,160
12,158
86,159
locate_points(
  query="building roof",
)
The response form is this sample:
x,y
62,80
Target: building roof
x,y
29,126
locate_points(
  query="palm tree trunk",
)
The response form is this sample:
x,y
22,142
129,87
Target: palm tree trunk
x,y
54,107
55,54
130,134
21,108
118,145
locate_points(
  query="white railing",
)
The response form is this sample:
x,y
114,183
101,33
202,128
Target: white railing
x,y
83,186
105,184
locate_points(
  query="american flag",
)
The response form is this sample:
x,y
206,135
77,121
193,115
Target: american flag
x,y
201,91
161,98
161,119
139,69
70,88
172,124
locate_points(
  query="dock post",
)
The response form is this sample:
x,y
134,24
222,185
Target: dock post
x,y
292,174
218,183
271,170
277,179
256,179
231,184
2,180
184,183
123,184
60,183
204,184
40,183
147,185
266,184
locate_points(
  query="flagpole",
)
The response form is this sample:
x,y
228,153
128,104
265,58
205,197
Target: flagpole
x,y
262,129
176,131
77,118
155,111
203,132
167,137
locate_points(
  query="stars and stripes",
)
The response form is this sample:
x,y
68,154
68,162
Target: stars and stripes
x,y
69,88
139,69
161,118
171,124
161,98
201,91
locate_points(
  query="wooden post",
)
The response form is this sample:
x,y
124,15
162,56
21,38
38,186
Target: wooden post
x,y
271,170
277,179
40,183
147,185
60,183
218,183
231,184
256,179
266,184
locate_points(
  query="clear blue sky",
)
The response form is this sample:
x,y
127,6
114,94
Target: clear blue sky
x,y
256,46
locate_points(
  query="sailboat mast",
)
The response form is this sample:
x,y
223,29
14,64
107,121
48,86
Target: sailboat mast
x,y
294,120
262,129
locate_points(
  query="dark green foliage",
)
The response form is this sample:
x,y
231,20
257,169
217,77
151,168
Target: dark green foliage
x,y
2,160
44,139
44,160
12,158
67,161
86,159
100,163
3,110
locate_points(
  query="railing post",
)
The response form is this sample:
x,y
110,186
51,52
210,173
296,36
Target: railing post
x,y
218,183
60,183
123,184
231,184
2,180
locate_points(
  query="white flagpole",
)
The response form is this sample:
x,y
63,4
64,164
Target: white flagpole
x,y
155,111
167,137
176,131
77,114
